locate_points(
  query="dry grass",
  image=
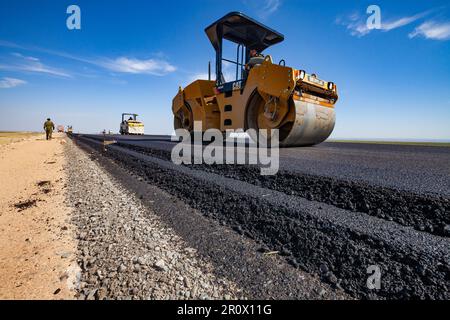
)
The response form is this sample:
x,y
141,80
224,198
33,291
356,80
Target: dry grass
x,y
14,136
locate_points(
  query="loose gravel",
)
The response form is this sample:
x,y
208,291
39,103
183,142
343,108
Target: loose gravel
x,y
125,251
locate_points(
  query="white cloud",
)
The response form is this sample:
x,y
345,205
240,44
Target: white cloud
x,y
39,67
394,24
7,83
123,64
136,66
354,23
357,26
271,6
200,76
432,30
32,64
263,8
19,55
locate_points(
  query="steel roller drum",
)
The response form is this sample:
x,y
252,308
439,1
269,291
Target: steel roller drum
x,y
313,124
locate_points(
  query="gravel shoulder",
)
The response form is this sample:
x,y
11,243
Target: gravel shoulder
x,y
37,245
125,251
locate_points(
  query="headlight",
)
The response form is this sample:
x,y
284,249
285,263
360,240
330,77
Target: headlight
x,y
330,85
301,75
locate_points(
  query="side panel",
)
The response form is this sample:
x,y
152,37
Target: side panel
x,y
200,97
232,108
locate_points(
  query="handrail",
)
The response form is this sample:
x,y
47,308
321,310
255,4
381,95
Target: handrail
x,y
233,62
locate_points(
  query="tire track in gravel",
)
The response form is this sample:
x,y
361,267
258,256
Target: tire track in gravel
x,y
319,238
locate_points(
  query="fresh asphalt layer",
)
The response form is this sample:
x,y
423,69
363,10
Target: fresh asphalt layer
x,y
420,169
333,210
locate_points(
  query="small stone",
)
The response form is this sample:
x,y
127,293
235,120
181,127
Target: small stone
x,y
82,236
447,230
285,252
322,292
63,276
91,294
323,268
101,294
57,291
332,278
137,268
65,255
160,265
134,291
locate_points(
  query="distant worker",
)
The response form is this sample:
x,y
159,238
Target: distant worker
x,y
256,59
49,126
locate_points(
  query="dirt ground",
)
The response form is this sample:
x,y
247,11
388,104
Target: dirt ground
x,y
37,247
7,137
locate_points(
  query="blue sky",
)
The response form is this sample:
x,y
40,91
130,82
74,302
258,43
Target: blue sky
x,y
131,56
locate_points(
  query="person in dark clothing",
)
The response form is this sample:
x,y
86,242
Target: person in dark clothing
x,y
49,126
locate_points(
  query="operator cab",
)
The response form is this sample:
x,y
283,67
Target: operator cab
x,y
133,117
247,34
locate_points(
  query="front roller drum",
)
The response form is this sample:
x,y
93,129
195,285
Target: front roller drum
x,y
313,124
304,124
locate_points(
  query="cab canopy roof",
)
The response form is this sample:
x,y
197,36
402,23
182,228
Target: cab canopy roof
x,y
239,28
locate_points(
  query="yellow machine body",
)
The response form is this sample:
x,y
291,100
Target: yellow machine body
x,y
265,96
273,97
131,126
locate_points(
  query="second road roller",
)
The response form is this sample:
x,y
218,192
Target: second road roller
x,y
262,94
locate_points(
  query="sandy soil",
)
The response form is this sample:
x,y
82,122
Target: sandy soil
x,y
37,246
7,137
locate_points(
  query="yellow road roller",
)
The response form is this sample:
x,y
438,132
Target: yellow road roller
x,y
262,94
131,126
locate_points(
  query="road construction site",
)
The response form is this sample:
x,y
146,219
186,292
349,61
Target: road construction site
x,y
120,220
313,230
